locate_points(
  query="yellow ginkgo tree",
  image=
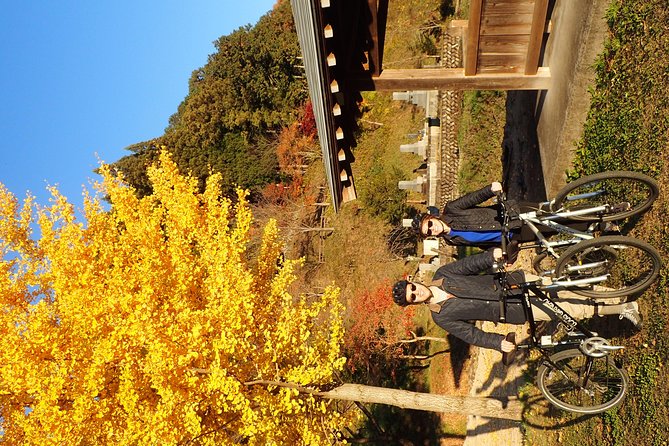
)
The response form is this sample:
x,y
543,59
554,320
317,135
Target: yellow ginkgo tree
x,y
147,323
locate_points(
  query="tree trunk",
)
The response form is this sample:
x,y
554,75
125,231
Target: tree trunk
x,y
485,407
510,409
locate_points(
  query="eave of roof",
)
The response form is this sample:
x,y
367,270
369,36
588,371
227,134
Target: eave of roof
x,y
323,88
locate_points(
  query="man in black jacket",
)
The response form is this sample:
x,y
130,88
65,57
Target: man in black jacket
x,y
464,222
459,293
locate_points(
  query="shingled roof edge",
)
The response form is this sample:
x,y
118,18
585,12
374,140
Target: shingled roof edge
x,y
308,25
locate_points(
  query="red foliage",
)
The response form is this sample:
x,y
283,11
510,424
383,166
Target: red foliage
x,y
308,121
376,325
295,149
289,150
297,140
282,193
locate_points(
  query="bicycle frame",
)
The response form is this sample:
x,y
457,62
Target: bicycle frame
x,y
559,313
534,219
548,219
581,344
545,346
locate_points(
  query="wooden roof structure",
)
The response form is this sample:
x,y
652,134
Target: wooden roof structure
x,y
342,47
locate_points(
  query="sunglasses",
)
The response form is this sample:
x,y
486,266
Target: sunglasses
x,y
412,297
430,224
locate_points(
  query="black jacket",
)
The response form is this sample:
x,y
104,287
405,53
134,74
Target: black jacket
x,y
464,214
477,299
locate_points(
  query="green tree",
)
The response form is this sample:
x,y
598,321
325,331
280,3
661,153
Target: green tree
x,y
237,103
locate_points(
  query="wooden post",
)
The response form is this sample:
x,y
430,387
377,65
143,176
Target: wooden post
x,y
317,229
451,79
536,36
485,407
473,31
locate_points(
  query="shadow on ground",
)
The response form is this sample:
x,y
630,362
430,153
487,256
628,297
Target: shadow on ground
x,y
521,160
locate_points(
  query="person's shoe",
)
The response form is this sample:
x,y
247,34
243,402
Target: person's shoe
x,y
631,313
509,357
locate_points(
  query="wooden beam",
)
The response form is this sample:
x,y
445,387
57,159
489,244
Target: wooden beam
x,y
491,26
536,36
374,55
501,63
503,44
382,20
506,7
348,192
451,79
378,10
472,43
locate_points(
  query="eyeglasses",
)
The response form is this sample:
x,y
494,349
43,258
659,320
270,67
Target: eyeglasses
x,y
412,297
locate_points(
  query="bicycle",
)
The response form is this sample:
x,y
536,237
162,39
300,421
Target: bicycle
x,y
591,265
577,372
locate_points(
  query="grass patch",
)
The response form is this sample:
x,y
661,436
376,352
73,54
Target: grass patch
x,y
412,33
379,163
480,138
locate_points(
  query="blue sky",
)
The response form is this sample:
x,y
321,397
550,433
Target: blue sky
x,y
81,80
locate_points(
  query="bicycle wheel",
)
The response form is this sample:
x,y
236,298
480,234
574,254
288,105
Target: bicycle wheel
x,y
582,384
615,189
630,266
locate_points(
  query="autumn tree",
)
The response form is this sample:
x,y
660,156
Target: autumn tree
x,y
147,323
297,141
296,149
376,325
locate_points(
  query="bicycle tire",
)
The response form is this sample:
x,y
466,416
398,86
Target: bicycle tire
x,y
612,188
605,388
632,264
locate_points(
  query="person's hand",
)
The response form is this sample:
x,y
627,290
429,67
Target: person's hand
x,y
497,254
496,186
508,346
